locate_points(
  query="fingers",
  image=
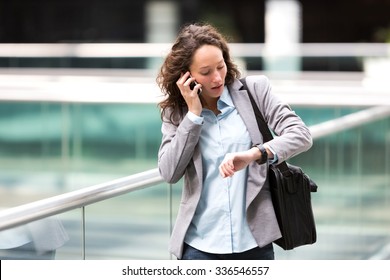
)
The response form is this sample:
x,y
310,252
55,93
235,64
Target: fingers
x,y
185,80
226,169
190,96
198,88
234,162
184,84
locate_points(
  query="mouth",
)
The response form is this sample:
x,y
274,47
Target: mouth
x,y
217,87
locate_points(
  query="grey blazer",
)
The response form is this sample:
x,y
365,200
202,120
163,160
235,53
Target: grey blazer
x,y
179,156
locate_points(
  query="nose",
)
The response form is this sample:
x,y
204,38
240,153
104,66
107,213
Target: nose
x,y
217,78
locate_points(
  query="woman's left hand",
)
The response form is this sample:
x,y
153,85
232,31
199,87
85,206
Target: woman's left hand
x,y
234,162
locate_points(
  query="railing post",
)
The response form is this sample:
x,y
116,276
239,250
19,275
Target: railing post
x,y
83,232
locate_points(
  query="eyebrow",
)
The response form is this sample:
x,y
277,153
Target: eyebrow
x,y
203,67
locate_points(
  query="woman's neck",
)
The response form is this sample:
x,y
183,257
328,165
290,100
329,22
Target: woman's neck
x,y
210,104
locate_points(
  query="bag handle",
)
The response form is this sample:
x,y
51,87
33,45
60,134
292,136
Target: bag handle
x,y
264,129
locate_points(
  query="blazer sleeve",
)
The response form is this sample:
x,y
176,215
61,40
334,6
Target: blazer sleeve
x,y
177,147
292,136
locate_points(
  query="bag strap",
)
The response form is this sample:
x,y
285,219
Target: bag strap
x,y
263,127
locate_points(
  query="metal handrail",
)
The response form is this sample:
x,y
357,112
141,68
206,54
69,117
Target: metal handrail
x,y
40,209
349,121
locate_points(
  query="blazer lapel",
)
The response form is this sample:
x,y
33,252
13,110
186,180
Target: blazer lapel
x,y
244,107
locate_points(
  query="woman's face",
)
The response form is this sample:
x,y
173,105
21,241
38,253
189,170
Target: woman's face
x,y
209,69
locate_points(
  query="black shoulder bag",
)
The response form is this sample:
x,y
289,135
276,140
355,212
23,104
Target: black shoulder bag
x,y
291,195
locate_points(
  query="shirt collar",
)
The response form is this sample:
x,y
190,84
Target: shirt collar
x,y
224,104
225,100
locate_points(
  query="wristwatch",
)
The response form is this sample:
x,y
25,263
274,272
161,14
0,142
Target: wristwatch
x,y
264,155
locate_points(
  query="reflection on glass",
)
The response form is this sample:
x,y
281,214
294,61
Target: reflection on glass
x,y
37,240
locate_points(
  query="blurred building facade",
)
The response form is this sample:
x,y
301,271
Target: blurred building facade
x,y
53,21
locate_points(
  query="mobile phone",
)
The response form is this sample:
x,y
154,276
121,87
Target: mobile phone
x,y
193,84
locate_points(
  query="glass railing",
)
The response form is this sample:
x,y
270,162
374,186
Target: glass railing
x,y
350,207
64,129
72,221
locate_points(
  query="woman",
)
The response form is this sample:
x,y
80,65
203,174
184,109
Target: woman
x,y
210,137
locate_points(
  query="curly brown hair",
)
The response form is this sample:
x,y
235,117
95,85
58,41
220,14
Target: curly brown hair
x,y
190,38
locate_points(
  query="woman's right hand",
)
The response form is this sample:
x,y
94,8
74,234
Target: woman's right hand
x,y
190,96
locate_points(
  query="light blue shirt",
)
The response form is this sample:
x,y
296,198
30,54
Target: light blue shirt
x,y
219,224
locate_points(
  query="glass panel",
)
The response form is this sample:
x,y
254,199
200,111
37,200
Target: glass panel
x,y
46,239
49,148
132,226
72,249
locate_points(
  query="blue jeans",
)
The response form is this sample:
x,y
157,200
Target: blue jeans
x,y
263,253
